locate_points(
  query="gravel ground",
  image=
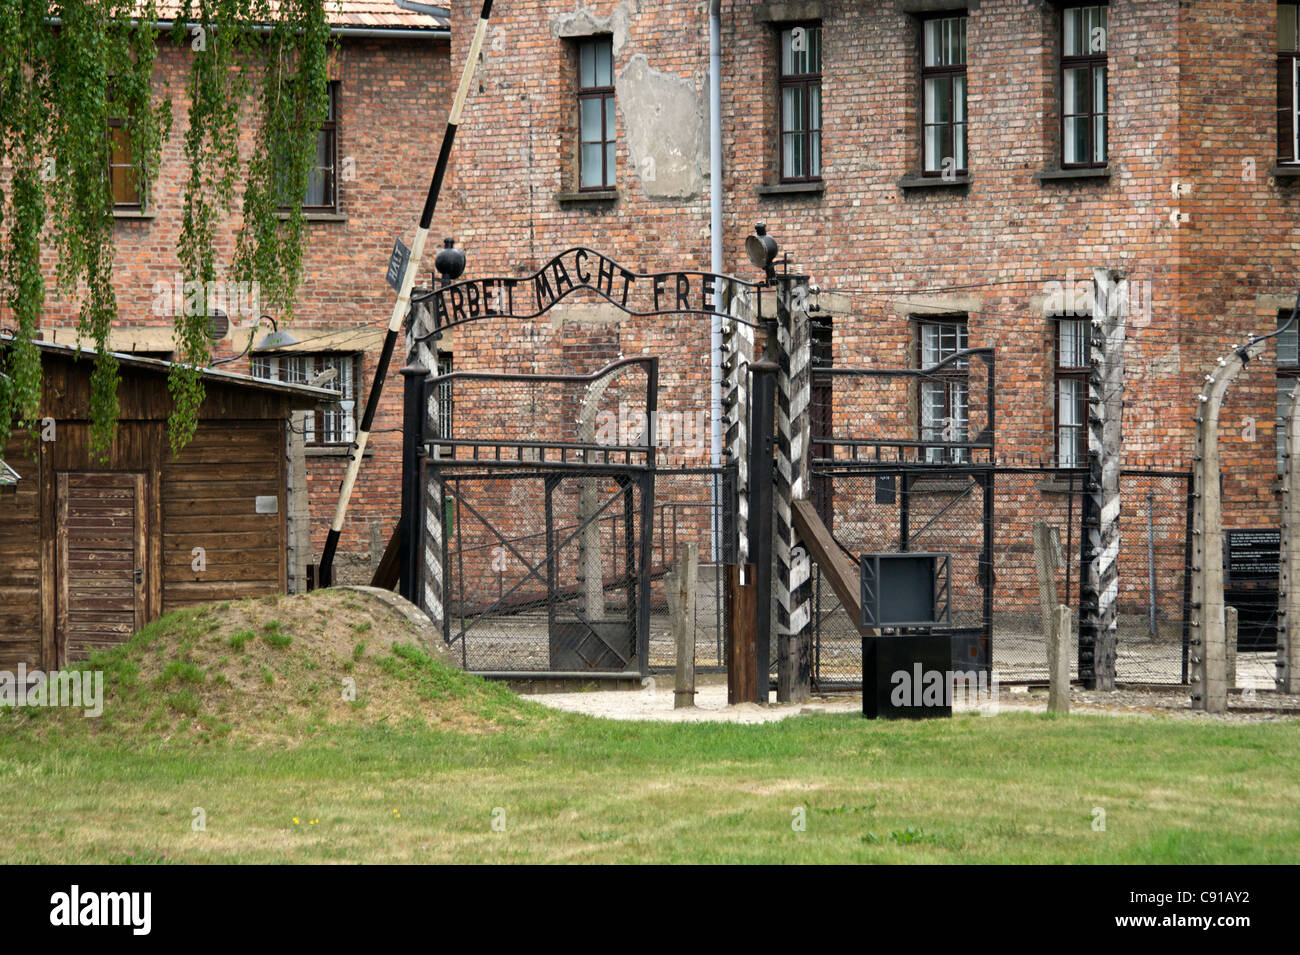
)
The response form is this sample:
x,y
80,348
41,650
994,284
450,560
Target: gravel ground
x,y
655,703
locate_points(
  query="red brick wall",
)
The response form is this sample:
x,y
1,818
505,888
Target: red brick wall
x,y
392,105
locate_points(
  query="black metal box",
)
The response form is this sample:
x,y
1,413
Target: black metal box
x,y
906,677
905,589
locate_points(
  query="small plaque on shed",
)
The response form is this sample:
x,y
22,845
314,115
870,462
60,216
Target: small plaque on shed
x,y
266,504
397,264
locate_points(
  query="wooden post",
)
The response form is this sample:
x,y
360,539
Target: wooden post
x,y
1230,647
684,624
1058,660
742,626
1047,549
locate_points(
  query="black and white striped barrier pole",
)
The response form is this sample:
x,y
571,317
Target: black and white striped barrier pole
x,y
326,571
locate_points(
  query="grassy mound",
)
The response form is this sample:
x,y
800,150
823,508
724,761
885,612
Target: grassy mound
x,y
278,669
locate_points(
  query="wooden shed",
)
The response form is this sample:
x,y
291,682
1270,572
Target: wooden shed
x,y
91,550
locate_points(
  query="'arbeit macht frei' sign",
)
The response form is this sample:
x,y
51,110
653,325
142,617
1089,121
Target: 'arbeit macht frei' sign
x,y
579,269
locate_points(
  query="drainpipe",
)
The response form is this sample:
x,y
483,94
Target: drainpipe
x,y
715,261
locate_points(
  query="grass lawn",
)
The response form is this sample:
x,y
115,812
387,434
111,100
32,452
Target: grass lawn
x,y
424,780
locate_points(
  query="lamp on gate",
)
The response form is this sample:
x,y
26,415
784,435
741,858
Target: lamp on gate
x,y
450,262
761,249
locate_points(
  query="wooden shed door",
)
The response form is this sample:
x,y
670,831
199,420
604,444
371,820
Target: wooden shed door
x,y
101,588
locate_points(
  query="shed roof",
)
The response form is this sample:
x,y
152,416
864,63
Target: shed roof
x,y
307,396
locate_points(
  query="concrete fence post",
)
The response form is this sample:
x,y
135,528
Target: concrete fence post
x,y
1058,660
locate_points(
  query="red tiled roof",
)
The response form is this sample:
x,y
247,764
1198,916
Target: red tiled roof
x,y
355,13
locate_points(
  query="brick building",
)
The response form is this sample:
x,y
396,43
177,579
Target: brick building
x,y
388,91
946,175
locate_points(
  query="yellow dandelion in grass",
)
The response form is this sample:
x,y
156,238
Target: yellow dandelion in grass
x,y
295,820
313,822
397,814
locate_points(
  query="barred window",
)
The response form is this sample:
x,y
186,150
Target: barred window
x,y
944,395
1072,368
334,423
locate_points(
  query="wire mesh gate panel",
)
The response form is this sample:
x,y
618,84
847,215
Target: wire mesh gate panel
x,y
893,509
545,571
692,505
538,519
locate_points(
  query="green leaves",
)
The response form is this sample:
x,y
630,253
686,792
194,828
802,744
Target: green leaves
x,y
65,70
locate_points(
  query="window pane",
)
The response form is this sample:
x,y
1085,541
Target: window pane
x,y
815,106
1076,90
1073,337
609,119
815,154
1072,20
929,345
959,99
1076,139
933,33
1286,23
592,162
1099,138
1067,410
814,49
604,63
609,164
587,65
591,120
1288,344
937,89
1099,90
792,109
792,153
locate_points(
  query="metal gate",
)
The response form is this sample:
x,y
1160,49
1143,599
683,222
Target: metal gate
x,y
547,570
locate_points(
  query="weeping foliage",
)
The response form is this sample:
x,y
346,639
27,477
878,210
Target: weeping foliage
x,y
65,69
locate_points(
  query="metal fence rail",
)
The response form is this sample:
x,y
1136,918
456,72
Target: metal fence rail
x,y
944,515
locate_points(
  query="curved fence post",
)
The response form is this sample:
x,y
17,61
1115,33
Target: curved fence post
x,y
1207,657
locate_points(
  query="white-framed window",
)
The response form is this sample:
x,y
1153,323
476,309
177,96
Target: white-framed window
x,y
335,423
1288,83
944,396
943,88
1072,372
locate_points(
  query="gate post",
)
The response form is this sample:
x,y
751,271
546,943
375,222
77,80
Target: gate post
x,y
1207,653
794,572
431,597
1098,594
761,497
737,354
413,414
1288,647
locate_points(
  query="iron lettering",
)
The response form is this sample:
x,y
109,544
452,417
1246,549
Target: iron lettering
x,y
579,270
